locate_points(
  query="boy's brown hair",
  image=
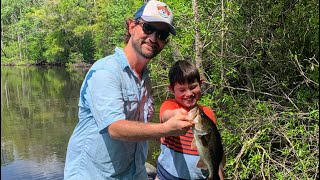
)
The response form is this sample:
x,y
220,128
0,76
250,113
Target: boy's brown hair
x,y
182,72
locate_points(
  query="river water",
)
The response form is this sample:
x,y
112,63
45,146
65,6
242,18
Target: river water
x,y
39,110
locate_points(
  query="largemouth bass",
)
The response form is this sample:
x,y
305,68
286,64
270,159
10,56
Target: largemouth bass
x,y
207,139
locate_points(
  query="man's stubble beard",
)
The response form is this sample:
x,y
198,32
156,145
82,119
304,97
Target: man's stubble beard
x,y
138,47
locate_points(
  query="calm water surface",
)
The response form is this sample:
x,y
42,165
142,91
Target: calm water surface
x,y
39,110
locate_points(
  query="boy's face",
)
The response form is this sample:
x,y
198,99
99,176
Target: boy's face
x,y
187,94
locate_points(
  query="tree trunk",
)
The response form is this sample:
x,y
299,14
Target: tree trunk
x,y
198,43
222,47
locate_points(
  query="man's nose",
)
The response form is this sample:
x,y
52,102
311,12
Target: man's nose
x,y
153,37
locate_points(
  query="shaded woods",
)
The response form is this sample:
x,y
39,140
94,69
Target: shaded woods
x,y
259,60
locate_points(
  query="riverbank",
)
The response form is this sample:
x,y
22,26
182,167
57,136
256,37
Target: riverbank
x,y
79,64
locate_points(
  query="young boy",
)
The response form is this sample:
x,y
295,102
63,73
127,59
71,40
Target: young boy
x,y
178,160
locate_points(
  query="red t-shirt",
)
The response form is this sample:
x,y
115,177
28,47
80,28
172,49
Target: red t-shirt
x,y
182,143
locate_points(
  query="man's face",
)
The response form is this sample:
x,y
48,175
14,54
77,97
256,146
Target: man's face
x,y
147,38
187,94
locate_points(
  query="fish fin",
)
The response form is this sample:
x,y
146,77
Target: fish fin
x,y
193,144
223,161
201,164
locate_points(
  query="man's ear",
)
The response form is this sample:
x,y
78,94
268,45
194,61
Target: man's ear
x,y
131,25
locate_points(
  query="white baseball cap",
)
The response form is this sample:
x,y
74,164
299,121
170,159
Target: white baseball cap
x,y
156,11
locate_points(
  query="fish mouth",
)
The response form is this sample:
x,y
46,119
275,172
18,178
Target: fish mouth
x,y
193,113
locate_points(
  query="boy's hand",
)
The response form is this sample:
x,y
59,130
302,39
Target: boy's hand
x,y
180,111
171,113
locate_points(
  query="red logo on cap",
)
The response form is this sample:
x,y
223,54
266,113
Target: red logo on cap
x,y
163,11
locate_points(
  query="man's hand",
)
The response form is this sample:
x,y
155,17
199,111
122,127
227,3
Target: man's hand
x,y
178,124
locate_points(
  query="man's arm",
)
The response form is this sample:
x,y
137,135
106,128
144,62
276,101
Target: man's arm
x,y
137,131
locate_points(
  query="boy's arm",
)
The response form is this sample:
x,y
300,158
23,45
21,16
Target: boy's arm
x,y
221,166
167,114
221,173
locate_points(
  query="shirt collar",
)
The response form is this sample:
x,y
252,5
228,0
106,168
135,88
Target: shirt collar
x,y
123,61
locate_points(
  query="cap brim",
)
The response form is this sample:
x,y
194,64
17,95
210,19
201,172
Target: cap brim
x,y
153,19
172,30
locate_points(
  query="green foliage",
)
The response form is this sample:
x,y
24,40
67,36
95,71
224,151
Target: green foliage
x,y
261,61
155,154
275,145
160,79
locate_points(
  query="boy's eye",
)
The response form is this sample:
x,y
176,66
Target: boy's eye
x,y
181,90
194,86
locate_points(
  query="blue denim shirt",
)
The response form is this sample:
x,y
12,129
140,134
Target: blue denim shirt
x,y
110,92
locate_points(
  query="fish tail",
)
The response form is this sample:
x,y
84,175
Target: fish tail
x,y
214,177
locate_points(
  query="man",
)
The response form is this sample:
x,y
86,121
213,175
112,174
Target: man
x,y
115,105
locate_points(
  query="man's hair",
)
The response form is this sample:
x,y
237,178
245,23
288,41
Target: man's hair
x,y
127,34
182,72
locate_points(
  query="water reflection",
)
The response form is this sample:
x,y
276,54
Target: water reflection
x,y
38,114
39,110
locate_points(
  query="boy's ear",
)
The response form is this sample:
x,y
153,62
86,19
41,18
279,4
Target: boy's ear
x,y
201,82
171,89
